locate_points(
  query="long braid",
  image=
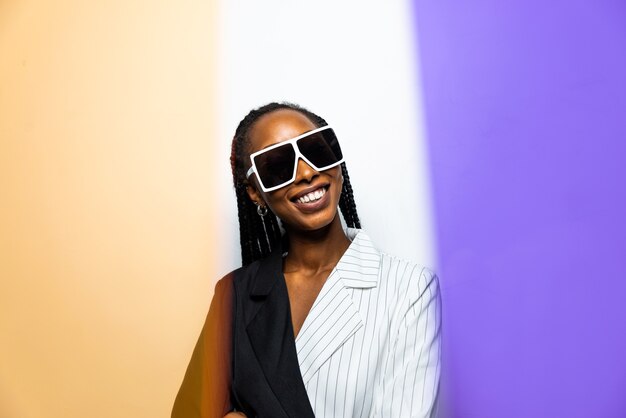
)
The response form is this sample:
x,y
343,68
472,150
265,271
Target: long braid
x,y
272,228
260,235
247,250
249,220
346,201
257,235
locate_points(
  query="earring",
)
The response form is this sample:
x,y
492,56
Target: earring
x,y
261,210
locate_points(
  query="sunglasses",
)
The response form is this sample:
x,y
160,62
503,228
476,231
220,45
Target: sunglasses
x,y
276,165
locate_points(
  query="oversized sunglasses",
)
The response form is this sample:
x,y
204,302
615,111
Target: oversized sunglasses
x,y
276,165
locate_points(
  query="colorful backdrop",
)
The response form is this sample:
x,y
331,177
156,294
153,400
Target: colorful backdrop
x,y
485,139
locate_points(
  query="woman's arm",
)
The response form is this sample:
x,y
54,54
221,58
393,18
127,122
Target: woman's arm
x,y
205,390
411,381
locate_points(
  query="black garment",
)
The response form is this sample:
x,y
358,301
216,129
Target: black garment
x,y
247,343
266,379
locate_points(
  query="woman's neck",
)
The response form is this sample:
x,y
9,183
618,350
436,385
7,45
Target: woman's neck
x,y
314,251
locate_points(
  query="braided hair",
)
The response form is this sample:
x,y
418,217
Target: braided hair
x,y
259,235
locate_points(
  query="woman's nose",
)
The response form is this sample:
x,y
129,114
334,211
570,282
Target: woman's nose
x,y
305,172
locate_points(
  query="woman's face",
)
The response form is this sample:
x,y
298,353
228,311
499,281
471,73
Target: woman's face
x,y
288,202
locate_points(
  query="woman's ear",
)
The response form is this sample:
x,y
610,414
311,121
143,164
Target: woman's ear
x,y
254,194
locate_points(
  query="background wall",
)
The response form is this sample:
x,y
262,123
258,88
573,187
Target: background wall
x,y
525,104
106,215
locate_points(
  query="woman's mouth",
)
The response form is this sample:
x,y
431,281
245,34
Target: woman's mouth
x,y
313,200
314,196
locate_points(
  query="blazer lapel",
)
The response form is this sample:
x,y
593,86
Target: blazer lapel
x,y
271,336
335,317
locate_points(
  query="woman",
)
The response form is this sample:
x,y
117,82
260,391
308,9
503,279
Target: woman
x,y
317,322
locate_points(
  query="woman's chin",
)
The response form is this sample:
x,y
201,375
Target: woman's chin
x,y
311,223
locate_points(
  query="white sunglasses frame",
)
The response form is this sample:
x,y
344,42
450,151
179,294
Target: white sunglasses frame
x,y
294,145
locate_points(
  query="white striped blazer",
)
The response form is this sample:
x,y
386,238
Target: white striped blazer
x,y
370,345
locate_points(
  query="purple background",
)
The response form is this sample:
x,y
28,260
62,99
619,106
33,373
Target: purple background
x,y
526,119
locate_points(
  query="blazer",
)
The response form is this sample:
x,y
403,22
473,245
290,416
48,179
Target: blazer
x,y
368,347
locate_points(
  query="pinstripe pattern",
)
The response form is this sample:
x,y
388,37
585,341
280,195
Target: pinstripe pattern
x,y
370,345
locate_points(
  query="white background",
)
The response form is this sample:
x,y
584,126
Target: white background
x,y
355,64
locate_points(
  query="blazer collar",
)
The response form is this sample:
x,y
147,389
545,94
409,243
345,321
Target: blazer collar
x,y
358,267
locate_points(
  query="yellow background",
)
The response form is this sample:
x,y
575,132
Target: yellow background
x,y
106,234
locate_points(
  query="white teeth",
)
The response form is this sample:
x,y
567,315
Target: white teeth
x,y
313,196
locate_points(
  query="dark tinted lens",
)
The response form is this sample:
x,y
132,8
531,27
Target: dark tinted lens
x,y
275,166
321,148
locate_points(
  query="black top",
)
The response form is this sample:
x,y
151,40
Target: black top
x,y
245,358
266,379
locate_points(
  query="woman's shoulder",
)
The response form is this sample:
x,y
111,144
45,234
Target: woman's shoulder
x,y
410,267
407,274
228,284
239,274
405,278
413,289
396,270
245,276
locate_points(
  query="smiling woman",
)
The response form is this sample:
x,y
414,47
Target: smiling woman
x,y
318,321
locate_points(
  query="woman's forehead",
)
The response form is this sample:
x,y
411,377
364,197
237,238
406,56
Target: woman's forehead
x,y
278,126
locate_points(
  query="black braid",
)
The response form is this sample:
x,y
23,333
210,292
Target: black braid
x,y
346,201
260,235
